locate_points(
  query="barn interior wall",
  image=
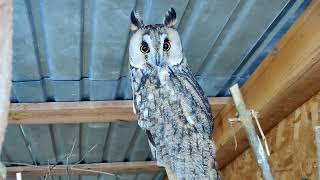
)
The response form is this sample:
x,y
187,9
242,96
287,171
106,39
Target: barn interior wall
x,y
292,147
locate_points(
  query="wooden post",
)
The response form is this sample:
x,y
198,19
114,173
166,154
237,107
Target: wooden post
x,y
255,143
5,69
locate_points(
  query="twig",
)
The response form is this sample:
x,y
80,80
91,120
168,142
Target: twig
x,y
69,167
71,151
66,157
232,120
254,114
85,155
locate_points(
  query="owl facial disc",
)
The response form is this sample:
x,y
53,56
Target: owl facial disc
x,y
154,46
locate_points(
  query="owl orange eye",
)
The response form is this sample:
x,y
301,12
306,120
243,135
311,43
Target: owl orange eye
x,y
144,48
166,46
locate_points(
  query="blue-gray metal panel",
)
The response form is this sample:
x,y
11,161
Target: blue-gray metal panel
x,y
200,27
140,149
15,146
66,90
211,84
47,86
62,23
41,145
103,90
126,177
124,88
86,40
39,34
71,177
106,177
93,135
65,135
85,89
160,175
49,178
146,176
25,62
110,30
3,156
13,97
119,138
267,42
244,28
154,11
29,91
89,177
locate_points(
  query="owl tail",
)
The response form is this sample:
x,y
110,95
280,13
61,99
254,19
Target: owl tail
x,y
197,162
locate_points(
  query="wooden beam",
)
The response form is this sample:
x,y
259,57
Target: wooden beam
x,y
83,112
5,68
288,77
86,169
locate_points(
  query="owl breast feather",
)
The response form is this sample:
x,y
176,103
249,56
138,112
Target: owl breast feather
x,y
172,107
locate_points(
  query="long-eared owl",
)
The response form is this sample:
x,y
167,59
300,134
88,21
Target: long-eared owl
x,y
170,105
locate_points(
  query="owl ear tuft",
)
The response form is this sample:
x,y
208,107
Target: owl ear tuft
x,y
170,18
136,21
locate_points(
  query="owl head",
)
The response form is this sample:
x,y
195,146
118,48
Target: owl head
x,y
155,46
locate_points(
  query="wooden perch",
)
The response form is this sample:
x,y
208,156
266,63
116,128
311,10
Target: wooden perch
x,y
84,112
86,169
255,143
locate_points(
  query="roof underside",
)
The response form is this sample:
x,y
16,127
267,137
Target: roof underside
x,y
76,50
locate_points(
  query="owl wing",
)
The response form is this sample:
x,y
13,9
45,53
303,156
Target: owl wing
x,y
193,102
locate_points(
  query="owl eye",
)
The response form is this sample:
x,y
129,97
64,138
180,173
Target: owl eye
x,y
144,48
166,45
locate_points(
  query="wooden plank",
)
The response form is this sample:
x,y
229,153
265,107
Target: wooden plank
x,y
87,169
292,146
285,80
84,112
5,68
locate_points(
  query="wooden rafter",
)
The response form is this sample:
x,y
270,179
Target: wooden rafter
x,y
86,169
287,78
5,68
84,112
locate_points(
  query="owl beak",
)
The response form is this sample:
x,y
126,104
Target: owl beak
x,y
158,59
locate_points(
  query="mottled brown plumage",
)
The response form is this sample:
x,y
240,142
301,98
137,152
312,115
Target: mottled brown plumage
x,y
169,102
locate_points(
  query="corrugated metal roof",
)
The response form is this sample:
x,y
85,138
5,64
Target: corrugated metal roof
x,y
77,50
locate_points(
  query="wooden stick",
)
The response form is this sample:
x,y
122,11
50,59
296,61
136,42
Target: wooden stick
x,y
246,119
317,137
170,174
86,169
